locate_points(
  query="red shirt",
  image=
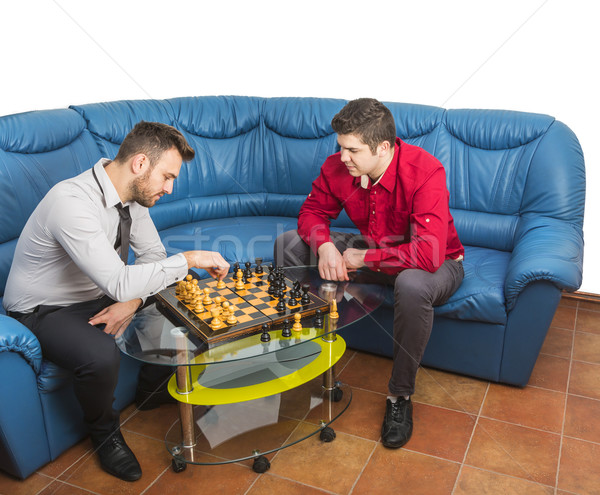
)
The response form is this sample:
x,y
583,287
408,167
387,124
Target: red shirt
x,y
405,215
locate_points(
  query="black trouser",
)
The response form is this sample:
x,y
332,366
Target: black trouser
x,y
416,292
67,339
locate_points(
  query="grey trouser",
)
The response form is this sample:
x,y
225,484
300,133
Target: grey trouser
x,y
416,292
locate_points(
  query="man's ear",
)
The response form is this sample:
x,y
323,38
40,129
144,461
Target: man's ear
x,y
383,148
139,163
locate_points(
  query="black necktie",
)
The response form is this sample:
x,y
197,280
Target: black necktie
x,y
124,231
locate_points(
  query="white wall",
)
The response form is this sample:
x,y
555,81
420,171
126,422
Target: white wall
x,y
537,56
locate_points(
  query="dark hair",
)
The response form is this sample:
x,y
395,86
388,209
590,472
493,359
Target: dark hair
x,y
368,119
153,139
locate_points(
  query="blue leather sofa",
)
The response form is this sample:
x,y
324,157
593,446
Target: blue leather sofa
x,y
517,187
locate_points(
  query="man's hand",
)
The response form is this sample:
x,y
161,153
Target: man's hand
x,y
331,263
116,316
210,261
354,258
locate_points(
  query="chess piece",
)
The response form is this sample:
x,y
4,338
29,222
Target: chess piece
x,y
239,284
225,309
292,301
285,331
207,300
198,308
272,289
221,284
281,303
333,313
297,326
231,319
216,322
318,319
265,337
259,269
248,270
305,297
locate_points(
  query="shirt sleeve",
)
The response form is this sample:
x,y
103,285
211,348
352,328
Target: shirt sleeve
x,y
426,248
75,224
316,213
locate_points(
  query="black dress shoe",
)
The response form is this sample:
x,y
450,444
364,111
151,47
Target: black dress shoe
x,y
146,400
397,423
116,457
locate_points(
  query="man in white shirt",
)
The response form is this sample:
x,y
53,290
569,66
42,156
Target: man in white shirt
x,y
69,281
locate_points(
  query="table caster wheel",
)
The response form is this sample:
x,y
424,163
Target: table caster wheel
x,y
337,394
178,466
327,434
261,464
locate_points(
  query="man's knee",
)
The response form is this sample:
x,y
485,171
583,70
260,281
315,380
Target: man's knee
x,y
410,287
102,362
290,249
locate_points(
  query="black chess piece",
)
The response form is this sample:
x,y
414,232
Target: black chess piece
x,y
248,270
272,289
292,301
287,328
271,275
296,289
305,297
318,319
265,337
236,267
281,303
259,269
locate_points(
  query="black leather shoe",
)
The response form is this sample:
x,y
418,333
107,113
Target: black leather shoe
x,y
146,400
397,423
116,458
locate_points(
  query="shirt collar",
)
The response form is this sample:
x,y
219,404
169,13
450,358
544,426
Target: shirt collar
x,y
111,197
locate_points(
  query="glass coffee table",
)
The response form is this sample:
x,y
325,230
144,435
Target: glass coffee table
x,y
253,396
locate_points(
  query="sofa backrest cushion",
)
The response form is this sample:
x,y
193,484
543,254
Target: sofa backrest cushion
x,y
504,165
259,156
37,150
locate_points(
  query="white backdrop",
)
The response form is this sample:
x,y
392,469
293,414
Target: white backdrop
x,y
537,56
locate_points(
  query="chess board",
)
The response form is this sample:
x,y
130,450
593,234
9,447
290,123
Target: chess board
x,y
252,306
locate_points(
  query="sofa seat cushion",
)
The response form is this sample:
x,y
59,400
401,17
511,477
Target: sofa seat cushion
x,y
479,298
481,295
236,238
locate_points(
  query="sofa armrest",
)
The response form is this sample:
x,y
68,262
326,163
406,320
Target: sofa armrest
x,y
15,337
545,249
23,438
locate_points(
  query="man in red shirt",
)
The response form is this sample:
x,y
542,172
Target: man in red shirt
x,y
396,195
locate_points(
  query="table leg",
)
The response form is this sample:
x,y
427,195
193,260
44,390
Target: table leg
x,y
331,393
184,387
329,375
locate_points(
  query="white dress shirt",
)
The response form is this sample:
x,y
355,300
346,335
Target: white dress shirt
x,y
65,253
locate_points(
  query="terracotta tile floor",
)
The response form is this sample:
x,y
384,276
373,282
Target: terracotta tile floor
x,y
470,437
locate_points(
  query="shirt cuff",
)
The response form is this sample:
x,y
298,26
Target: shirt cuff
x,y
373,259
